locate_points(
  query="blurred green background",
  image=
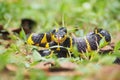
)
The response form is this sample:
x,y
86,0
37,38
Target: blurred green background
x,y
85,14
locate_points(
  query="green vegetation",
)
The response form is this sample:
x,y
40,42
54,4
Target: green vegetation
x,y
49,14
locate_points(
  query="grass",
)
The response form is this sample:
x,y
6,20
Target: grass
x,y
84,14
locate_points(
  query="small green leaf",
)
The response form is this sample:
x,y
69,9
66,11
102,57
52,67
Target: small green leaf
x,y
3,60
117,46
108,59
75,51
23,35
36,56
15,48
116,53
103,42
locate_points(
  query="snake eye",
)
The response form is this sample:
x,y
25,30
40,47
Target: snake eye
x,y
56,36
63,29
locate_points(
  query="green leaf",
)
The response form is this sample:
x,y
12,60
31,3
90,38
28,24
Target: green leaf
x,y
108,59
14,48
58,78
75,51
36,56
116,53
36,74
117,46
3,60
23,35
103,42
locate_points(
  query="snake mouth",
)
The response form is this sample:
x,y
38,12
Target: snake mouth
x,y
59,39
